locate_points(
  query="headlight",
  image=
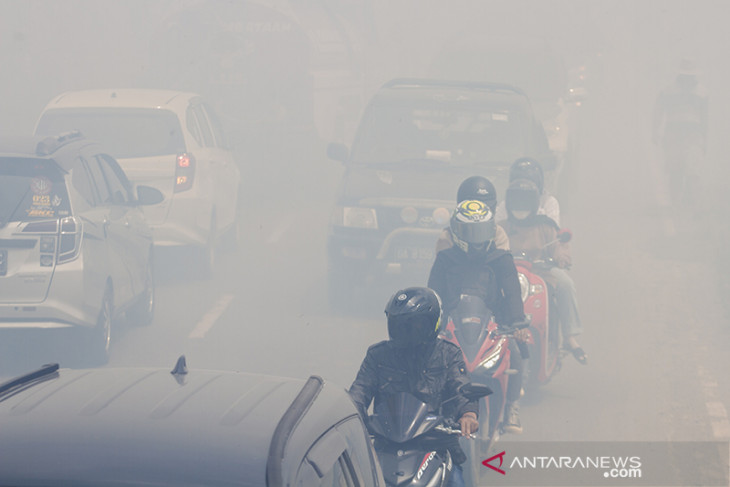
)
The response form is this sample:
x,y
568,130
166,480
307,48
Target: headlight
x,y
493,358
409,214
524,286
527,289
355,217
441,216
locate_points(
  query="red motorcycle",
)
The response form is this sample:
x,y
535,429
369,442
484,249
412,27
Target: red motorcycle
x,y
543,336
485,348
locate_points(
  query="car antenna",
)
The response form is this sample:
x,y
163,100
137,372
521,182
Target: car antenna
x,y
181,367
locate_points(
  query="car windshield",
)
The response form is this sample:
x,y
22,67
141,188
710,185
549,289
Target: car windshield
x,y
124,132
462,136
31,189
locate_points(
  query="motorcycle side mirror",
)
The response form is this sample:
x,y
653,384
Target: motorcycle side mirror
x,y
565,235
473,391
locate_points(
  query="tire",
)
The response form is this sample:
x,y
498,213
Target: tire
x,y
100,336
143,311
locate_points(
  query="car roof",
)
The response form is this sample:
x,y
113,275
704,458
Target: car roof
x,y
122,98
413,89
135,424
59,148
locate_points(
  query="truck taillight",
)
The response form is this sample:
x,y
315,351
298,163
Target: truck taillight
x,y
184,172
70,239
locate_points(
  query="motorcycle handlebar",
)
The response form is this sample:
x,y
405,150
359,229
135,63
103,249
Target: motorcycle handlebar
x,y
509,332
451,431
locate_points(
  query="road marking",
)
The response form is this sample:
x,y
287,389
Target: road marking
x,y
209,319
280,230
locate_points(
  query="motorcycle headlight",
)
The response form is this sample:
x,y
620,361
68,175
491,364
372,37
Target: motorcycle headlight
x,y
493,358
355,217
524,286
527,289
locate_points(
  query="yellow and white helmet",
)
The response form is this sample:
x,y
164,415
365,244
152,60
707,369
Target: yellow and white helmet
x,y
472,226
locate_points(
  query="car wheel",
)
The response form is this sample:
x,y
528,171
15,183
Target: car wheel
x,y
100,335
143,311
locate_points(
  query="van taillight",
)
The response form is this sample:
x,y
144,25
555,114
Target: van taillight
x,y
184,172
70,239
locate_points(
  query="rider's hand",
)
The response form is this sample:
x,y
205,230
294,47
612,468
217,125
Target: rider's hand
x,y
522,335
468,423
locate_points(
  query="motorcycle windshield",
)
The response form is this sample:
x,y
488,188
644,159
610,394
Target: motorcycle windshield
x,y
471,319
471,335
401,417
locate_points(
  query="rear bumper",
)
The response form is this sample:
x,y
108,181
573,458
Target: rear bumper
x,y
72,300
51,314
34,325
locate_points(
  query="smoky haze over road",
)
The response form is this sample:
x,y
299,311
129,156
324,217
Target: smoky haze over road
x,y
651,285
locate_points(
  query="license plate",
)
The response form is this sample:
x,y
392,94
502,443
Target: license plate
x,y
413,253
3,262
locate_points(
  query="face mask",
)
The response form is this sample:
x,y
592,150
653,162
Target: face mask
x,y
520,214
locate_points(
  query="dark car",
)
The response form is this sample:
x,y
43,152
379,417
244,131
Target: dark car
x,y
154,427
417,140
75,248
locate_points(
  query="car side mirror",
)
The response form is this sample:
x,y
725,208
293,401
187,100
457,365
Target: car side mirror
x,y
338,152
147,195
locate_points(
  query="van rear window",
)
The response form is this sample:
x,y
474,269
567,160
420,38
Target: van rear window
x,y
124,132
31,189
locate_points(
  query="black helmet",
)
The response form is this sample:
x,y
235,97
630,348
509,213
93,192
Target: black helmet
x,y
477,188
526,168
472,226
414,316
522,199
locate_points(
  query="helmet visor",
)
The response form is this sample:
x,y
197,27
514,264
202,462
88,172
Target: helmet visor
x,y
412,330
474,232
518,200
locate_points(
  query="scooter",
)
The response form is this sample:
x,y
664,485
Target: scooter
x,y
486,352
409,438
543,336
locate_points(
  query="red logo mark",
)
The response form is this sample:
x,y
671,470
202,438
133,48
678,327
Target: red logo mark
x,y
501,459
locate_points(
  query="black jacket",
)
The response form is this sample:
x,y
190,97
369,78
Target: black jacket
x,y
491,276
432,373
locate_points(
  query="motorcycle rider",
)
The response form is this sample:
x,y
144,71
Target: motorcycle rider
x,y
475,188
416,361
528,168
680,120
474,265
537,236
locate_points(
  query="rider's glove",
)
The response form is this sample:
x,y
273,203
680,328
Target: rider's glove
x,y
468,423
